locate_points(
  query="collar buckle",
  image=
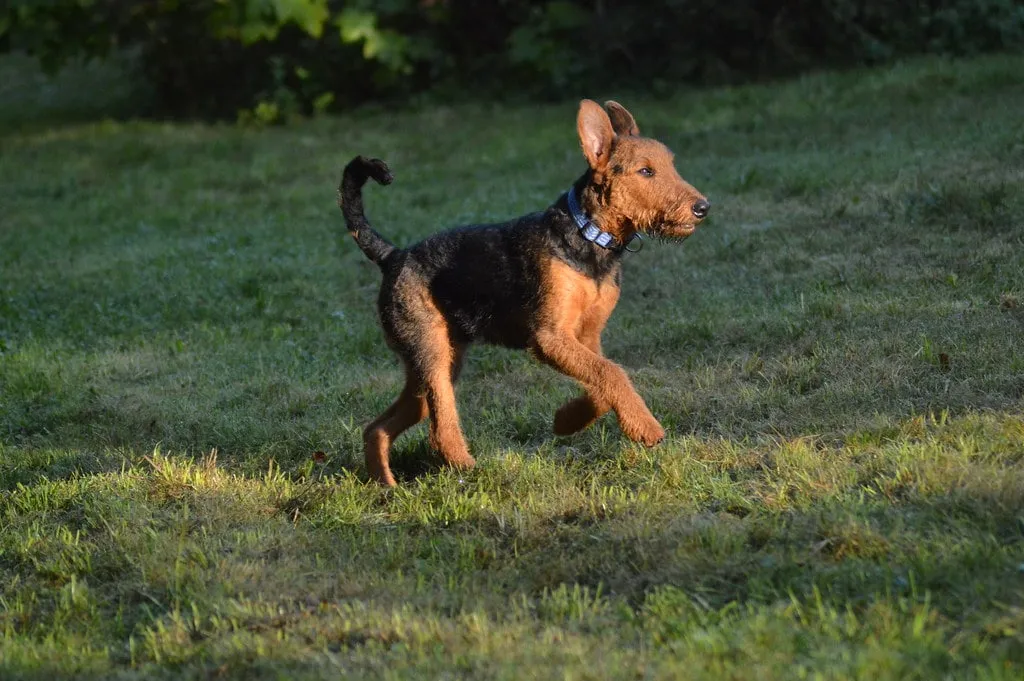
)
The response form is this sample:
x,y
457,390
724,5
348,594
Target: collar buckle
x,y
639,243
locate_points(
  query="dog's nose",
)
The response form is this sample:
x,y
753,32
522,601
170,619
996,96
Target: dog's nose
x,y
701,208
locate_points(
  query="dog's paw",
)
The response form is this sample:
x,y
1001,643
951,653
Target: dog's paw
x,y
574,416
460,462
454,453
647,432
652,436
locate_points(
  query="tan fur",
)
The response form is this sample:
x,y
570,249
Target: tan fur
x,y
631,186
574,307
594,312
620,198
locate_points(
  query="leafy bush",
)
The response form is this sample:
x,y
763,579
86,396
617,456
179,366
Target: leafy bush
x,y
274,58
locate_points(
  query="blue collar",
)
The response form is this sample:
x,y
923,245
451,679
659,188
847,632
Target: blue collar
x,y
593,233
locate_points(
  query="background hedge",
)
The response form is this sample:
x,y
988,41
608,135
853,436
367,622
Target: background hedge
x,y
278,57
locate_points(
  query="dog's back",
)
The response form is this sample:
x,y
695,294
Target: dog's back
x,y
546,281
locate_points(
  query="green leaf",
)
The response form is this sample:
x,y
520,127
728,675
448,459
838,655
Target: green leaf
x,y
385,46
253,31
355,25
309,15
323,102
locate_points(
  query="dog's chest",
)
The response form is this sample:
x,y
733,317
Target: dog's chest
x,y
573,299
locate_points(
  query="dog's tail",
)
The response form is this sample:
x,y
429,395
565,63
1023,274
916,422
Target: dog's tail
x,y
350,201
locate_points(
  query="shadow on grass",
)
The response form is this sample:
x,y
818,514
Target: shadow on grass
x,y
56,427
639,570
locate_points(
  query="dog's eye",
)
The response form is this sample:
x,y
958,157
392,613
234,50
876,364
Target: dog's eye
x,y
646,172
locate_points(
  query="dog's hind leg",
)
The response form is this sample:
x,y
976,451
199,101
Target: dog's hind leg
x,y
418,331
441,361
409,409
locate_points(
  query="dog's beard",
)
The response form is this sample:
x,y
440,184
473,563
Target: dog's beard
x,y
671,231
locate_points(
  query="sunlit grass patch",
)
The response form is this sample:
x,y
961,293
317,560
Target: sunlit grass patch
x,y
189,349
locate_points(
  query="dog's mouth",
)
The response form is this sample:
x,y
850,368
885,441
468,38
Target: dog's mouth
x,y
676,230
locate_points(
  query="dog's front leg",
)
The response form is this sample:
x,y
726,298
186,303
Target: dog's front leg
x,y
580,412
605,382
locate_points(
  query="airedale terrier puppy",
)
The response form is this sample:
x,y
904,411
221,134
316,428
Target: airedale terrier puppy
x,y
546,282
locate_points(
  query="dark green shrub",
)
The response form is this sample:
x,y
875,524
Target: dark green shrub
x,y
274,58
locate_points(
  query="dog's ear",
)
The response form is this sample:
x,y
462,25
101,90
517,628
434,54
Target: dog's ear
x,y
622,121
596,134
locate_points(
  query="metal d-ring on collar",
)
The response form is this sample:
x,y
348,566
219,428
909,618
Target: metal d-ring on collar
x,y
593,233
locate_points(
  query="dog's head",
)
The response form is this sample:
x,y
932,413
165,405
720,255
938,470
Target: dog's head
x,y
637,185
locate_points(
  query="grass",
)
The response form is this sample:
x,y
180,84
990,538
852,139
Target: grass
x,y
188,350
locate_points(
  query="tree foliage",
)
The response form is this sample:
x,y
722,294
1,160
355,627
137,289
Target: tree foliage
x,y
215,57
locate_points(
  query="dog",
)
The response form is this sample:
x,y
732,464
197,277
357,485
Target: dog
x,y
545,282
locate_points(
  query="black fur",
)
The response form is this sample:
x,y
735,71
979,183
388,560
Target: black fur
x,y
350,201
483,277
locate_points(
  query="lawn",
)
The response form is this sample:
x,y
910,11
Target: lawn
x,y
189,349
